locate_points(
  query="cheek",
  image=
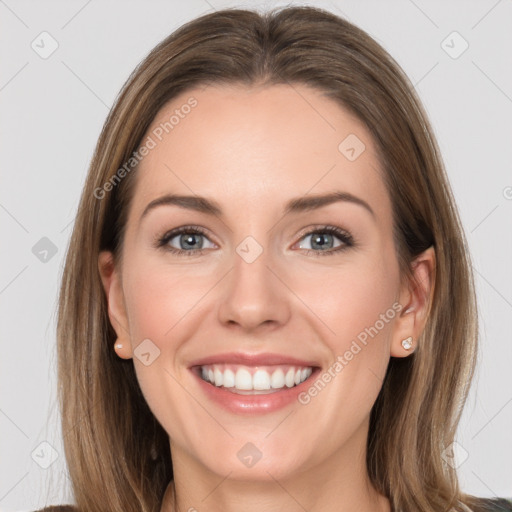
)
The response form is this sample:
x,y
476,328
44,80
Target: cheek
x,y
158,303
158,298
358,305
350,299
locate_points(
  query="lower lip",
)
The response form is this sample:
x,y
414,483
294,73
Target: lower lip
x,y
253,404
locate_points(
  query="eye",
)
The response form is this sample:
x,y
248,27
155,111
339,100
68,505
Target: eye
x,y
322,240
189,240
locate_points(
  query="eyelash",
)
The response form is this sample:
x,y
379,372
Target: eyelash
x,y
343,235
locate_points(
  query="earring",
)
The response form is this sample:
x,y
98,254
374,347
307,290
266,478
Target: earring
x,y
118,346
407,343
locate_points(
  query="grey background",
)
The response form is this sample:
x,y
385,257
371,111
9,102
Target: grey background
x,y
52,113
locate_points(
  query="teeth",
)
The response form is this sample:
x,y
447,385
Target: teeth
x,y
229,379
261,380
246,378
243,380
218,376
277,379
290,378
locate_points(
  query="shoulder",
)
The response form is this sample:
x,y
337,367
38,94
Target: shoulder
x,y
493,505
58,508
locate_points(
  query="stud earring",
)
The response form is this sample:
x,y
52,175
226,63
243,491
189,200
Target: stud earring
x,y
118,346
407,343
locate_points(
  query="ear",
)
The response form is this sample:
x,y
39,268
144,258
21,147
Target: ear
x,y
416,299
116,307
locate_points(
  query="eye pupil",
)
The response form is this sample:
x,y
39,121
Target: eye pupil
x,y
318,241
187,241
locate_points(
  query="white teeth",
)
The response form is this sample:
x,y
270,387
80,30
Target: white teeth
x,y
290,378
245,378
277,379
229,379
261,380
218,376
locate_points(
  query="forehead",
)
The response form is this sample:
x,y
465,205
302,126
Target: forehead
x,y
258,146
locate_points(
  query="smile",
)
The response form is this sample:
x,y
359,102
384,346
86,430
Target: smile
x,y
243,383
251,380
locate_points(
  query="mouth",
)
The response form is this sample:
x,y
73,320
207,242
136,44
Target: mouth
x,y
246,380
244,384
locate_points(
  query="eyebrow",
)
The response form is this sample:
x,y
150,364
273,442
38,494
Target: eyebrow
x,y
297,205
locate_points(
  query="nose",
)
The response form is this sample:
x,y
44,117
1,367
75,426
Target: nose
x,y
254,294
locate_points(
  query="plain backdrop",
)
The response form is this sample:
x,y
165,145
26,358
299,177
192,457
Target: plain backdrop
x,y
52,110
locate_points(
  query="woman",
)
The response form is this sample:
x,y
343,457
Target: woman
x,y
208,358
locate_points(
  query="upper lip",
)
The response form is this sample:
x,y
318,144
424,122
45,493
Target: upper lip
x,y
247,359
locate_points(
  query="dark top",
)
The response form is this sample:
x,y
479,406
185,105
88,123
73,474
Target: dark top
x,y
487,505
496,505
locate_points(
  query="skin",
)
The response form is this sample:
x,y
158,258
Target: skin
x,y
252,150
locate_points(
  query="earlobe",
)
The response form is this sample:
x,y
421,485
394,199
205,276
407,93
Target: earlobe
x,y
122,350
416,299
115,300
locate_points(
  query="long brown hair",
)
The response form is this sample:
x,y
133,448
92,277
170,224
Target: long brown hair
x,y
117,453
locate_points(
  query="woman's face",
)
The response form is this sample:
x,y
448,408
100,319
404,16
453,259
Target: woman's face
x,y
286,286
